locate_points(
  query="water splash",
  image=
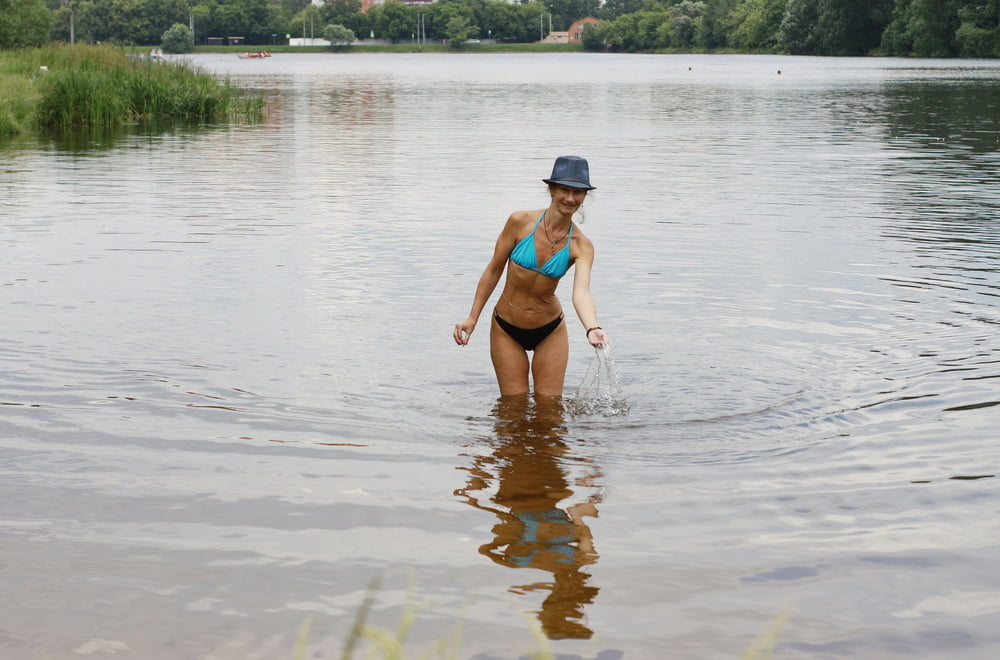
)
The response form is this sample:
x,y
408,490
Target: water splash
x,y
600,392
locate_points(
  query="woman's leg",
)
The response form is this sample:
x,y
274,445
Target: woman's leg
x,y
510,361
548,367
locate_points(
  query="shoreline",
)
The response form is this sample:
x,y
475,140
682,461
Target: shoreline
x,y
362,47
478,48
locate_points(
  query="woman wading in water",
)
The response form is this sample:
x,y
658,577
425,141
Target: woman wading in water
x,y
537,248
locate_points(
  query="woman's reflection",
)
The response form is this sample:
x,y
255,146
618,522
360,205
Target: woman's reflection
x,y
529,474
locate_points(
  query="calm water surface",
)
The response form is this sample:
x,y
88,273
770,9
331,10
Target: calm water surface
x,y
230,398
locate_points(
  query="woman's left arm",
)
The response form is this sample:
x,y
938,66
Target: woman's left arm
x,y
583,302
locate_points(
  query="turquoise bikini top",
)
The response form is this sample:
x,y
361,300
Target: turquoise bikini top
x,y
524,254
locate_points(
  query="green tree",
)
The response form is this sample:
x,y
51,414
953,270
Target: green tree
x,y
533,16
153,18
631,32
654,30
977,42
458,29
756,24
614,8
685,18
230,20
258,27
392,21
937,23
119,21
979,32
798,26
338,35
61,19
566,12
25,23
338,12
442,14
177,39
713,25
503,21
593,38
202,15
850,27
926,28
896,39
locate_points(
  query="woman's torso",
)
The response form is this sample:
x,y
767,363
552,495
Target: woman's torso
x,y
529,296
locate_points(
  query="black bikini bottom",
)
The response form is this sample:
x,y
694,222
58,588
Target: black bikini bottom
x,y
528,338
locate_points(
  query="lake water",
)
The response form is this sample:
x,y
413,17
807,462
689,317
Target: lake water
x,y
230,397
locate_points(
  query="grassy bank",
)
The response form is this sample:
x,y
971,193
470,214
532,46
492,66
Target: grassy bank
x,y
102,86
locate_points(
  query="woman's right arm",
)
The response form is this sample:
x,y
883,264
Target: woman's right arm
x,y
489,279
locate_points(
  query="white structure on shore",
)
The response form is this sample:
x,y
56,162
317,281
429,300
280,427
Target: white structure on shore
x,y
307,41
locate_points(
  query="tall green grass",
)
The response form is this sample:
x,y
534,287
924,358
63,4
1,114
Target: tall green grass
x,y
102,86
18,100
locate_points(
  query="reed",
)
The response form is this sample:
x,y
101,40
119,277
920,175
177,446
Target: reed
x,y
18,100
102,86
387,644
762,648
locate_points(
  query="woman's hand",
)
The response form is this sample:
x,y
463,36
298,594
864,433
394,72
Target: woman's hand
x,y
463,331
597,337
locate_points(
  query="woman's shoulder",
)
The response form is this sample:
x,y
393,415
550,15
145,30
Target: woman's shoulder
x,y
518,220
582,246
580,237
527,216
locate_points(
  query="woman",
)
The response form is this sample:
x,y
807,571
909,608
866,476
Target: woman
x,y
537,248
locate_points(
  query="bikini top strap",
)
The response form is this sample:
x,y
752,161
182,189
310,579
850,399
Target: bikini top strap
x,y
539,221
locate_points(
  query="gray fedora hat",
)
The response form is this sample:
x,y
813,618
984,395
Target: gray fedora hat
x,y
571,171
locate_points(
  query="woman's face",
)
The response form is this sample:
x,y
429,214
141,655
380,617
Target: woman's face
x,y
568,199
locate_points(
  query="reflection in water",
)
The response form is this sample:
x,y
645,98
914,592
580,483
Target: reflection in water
x,y
528,478
88,139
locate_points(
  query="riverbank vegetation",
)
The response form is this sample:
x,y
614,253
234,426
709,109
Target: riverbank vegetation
x,y
928,28
24,23
62,87
402,47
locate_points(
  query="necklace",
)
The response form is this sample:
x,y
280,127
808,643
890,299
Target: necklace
x,y
558,239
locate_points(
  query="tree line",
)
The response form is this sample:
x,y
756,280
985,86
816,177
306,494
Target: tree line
x,y
927,28
143,22
924,28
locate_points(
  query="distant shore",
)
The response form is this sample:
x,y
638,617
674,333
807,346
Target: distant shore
x,y
466,48
363,47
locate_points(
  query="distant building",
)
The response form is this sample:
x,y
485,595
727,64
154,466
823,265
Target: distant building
x,y
576,30
368,4
573,35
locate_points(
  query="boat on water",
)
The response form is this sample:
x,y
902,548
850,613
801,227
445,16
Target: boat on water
x,y
253,56
156,55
